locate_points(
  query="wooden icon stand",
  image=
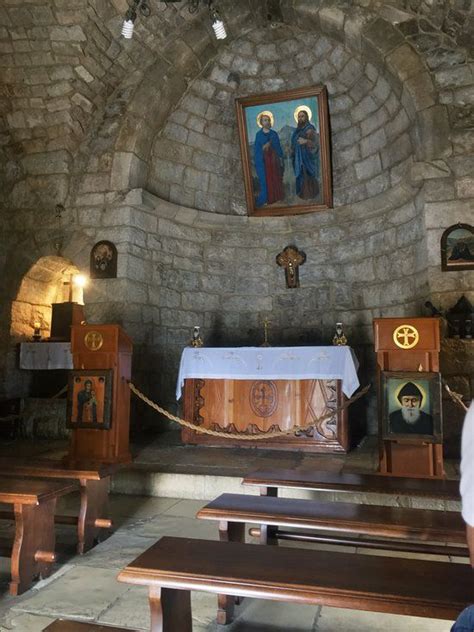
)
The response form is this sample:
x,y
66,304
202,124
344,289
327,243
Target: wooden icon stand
x,y
101,347
407,344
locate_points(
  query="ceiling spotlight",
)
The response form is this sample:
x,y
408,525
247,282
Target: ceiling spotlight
x,y
217,24
193,6
131,16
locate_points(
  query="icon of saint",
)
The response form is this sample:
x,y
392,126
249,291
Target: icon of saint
x,y
268,161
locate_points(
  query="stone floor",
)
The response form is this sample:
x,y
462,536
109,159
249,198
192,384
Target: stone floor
x,y
85,588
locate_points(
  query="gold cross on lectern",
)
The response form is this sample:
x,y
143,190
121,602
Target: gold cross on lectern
x,y
93,340
402,335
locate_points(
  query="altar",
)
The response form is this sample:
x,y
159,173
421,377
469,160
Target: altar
x,y
253,390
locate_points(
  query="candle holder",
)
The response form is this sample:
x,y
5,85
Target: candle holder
x,y
36,331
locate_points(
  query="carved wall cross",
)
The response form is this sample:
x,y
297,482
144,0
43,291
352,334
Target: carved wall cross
x,y
291,259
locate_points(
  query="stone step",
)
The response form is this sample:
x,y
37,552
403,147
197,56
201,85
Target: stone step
x,y
149,481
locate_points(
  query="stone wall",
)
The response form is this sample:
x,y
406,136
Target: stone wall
x,y
94,122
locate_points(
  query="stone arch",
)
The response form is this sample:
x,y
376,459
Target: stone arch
x,y
42,285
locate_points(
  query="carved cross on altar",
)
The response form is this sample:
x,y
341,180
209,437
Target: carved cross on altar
x,y
291,259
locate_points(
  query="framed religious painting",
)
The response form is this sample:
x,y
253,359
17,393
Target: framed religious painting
x,y
103,260
457,248
284,142
411,406
89,402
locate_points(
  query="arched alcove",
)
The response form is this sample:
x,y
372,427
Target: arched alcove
x,y
48,281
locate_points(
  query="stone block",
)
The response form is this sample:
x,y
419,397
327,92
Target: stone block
x,y
47,163
397,125
201,301
168,171
331,19
128,171
382,36
397,151
196,123
167,228
67,34
441,189
195,179
176,132
376,120
454,77
421,90
433,133
429,170
405,62
463,141
461,165
247,304
364,109
346,137
373,143
369,167
465,187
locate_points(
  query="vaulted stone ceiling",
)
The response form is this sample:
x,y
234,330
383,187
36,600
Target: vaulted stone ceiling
x,y
69,83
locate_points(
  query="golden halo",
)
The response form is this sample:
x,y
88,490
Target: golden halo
x,y
418,385
303,108
266,113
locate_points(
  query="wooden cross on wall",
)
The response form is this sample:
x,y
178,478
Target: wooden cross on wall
x,y
291,259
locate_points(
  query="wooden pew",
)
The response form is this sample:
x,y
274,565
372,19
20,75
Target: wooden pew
x,y
33,504
94,482
65,625
405,529
173,567
269,481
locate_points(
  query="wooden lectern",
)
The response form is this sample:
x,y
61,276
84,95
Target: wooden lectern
x,y
407,344
96,348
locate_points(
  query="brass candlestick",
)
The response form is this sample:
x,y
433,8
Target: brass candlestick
x,y
265,342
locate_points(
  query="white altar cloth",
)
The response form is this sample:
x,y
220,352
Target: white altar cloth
x,y
45,355
270,363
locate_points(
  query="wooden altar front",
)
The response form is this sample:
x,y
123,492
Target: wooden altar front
x,y
256,406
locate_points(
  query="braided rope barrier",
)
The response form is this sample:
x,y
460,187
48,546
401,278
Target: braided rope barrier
x,y
241,436
456,397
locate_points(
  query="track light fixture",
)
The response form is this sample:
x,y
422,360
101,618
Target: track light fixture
x,y
142,7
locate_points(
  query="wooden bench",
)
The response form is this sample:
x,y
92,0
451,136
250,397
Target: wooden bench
x,y
269,481
173,567
65,625
33,503
405,529
94,482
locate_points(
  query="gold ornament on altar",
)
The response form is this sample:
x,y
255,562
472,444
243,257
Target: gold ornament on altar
x,y
406,336
93,340
339,338
196,340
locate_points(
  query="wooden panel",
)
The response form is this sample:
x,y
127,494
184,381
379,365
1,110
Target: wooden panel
x,y
396,457
351,482
362,582
110,446
253,407
428,329
390,522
